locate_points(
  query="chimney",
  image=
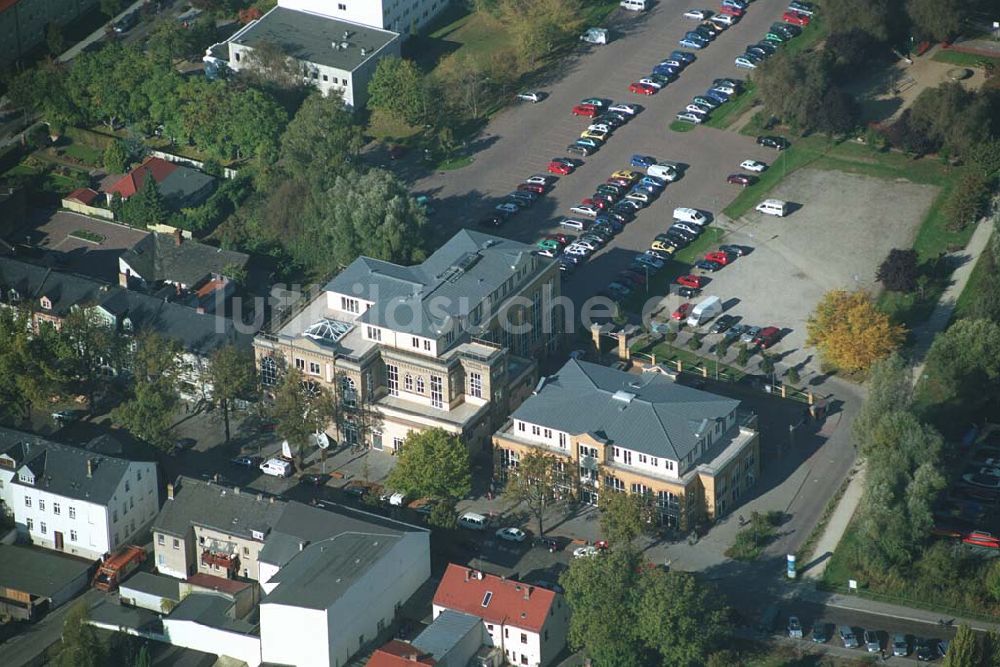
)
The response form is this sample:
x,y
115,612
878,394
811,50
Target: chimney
x,y
271,500
527,592
170,491
467,575
236,490
90,467
178,237
302,546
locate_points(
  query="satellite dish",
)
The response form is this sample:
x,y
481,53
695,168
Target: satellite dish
x,y
286,450
321,440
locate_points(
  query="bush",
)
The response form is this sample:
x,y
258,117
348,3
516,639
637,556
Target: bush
x,y
899,270
694,343
792,376
742,355
967,201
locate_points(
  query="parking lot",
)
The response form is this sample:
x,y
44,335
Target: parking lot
x,y
841,227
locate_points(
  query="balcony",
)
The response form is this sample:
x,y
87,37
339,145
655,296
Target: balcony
x,y
228,562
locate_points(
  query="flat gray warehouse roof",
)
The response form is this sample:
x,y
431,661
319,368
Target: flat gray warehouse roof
x,y
311,38
38,571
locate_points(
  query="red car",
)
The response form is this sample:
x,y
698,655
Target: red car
x,y
682,312
588,110
561,239
795,18
642,89
740,179
982,539
532,187
690,281
560,168
732,11
619,181
767,337
718,256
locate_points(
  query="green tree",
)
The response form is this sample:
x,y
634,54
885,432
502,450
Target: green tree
x,y
233,376
302,409
766,364
624,517
432,464
146,207
961,372
792,376
679,618
992,580
91,345
168,40
399,88
80,647
890,389
535,484
599,589
115,158
968,200
965,650
899,270
874,17
110,8
799,89
148,412
321,141
742,354
443,515
937,20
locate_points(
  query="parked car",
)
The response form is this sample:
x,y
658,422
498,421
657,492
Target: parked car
x,y
247,461
512,534
735,332
737,250
900,647
847,637
689,280
725,19
805,8
531,96
755,166
707,265
642,89
740,179
315,479
780,143
682,312
628,109
745,63
767,337
698,14
598,102
722,323
560,168
749,334
872,642
706,101
732,11
652,82
794,627
691,44
507,208
719,256
925,649
586,110
820,633
535,188
586,552
688,117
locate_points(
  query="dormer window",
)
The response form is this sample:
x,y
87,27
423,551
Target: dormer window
x,y
46,303
126,324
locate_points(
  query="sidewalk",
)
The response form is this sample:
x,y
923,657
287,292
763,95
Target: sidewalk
x,y
76,49
836,526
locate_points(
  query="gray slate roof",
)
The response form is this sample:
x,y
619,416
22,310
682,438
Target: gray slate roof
x,y
309,37
465,270
339,544
62,469
197,502
153,584
158,257
447,630
647,413
38,571
32,282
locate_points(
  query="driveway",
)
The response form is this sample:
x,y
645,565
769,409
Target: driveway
x,y
520,141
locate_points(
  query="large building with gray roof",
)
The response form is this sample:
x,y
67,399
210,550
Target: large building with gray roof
x,y
334,55
694,452
72,499
452,342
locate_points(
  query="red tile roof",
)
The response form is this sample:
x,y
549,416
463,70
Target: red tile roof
x,y
512,603
132,181
82,195
399,654
202,580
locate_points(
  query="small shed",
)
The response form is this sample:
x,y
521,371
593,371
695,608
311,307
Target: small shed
x,y
150,591
34,581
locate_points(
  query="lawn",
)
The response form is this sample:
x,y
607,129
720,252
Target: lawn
x,y
962,59
83,153
973,287
690,360
681,126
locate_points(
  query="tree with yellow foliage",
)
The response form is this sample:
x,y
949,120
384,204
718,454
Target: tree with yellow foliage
x,y
850,333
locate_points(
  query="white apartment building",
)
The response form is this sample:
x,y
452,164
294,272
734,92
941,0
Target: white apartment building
x,y
73,500
402,16
334,55
528,623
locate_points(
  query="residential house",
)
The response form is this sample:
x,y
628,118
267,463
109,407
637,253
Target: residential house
x,y
24,23
427,345
528,623
397,15
453,639
338,577
180,186
73,500
693,452
334,55
212,529
34,581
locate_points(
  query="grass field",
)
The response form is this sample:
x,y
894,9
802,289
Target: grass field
x,y
681,126
962,59
689,360
84,153
973,287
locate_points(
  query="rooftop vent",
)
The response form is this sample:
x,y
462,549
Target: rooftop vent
x,y
345,45
623,396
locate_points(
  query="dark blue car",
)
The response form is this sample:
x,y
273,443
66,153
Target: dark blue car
x,y
721,98
683,56
666,70
643,161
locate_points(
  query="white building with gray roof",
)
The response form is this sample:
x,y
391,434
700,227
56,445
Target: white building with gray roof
x,y
693,452
452,342
74,500
334,55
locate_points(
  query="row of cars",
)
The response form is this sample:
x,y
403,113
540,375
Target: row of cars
x,y
701,106
712,23
901,645
797,16
605,117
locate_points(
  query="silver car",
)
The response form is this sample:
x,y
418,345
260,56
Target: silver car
x,y
847,637
872,642
900,647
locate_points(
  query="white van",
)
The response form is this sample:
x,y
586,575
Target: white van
x,y
692,215
665,171
773,207
634,5
708,308
472,521
276,467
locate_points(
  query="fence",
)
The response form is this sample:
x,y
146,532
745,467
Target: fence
x,y
180,159
78,207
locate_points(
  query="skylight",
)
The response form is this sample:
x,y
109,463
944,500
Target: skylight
x,y
327,330
487,598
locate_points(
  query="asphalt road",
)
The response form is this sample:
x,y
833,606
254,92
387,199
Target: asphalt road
x,y
520,141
